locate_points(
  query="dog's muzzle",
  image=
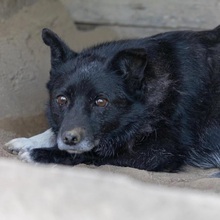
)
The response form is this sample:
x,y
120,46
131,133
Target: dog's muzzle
x,y
74,141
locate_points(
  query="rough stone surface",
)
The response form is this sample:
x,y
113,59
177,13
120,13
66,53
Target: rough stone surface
x,y
9,7
146,13
45,193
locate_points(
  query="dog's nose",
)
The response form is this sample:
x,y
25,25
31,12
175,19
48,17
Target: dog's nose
x,y
72,137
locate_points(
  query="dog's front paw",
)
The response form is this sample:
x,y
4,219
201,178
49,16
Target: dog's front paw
x,y
25,155
18,145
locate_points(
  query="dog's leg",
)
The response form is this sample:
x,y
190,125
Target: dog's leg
x,y
41,148
55,156
46,139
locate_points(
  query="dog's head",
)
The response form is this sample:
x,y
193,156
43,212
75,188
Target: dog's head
x,y
96,98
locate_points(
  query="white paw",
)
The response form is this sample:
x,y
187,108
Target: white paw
x,y
25,156
19,145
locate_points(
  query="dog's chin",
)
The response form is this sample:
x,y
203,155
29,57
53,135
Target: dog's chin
x,y
83,146
75,152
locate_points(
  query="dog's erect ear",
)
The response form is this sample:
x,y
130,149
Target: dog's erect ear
x,y
60,52
131,65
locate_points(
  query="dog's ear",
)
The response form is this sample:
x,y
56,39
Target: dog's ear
x,y
60,52
131,65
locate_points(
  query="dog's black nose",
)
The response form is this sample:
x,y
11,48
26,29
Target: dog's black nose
x,y
72,137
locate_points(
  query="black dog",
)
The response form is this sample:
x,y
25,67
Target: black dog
x,y
151,103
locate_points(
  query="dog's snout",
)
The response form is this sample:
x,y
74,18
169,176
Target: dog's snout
x,y
72,137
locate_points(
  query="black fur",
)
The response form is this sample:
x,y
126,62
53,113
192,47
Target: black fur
x,y
164,101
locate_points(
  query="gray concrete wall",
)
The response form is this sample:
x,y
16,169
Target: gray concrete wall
x,y
146,13
10,7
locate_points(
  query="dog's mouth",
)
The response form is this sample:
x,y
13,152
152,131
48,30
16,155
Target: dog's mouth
x,y
84,146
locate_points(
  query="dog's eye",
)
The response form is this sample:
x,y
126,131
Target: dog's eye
x,y
62,100
101,102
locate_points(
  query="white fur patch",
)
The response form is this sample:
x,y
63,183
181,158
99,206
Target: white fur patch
x,y
16,145
25,156
22,146
83,146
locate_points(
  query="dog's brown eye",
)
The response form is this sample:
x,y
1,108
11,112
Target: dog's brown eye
x,y
101,102
62,100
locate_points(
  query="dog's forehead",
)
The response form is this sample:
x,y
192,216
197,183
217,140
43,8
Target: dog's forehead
x,y
87,76
88,68
84,65
93,71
